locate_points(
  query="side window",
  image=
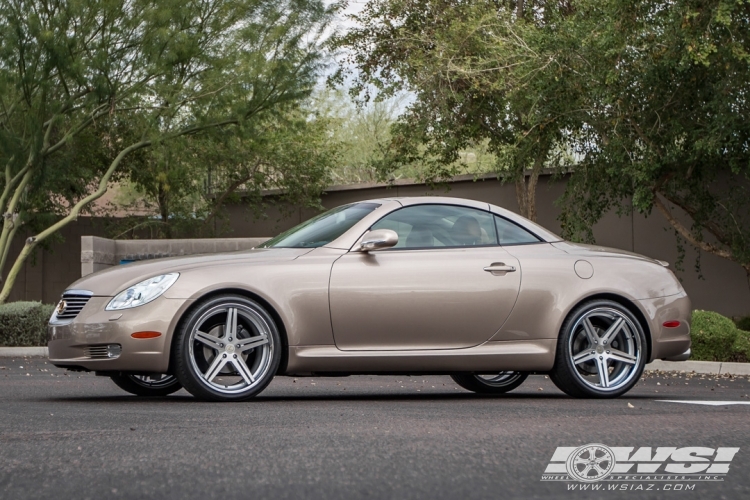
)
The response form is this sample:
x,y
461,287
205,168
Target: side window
x,y
509,233
428,226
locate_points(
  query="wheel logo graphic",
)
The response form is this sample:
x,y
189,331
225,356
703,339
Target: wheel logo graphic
x,y
592,462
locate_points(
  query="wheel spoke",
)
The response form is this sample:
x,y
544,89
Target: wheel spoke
x,y
612,330
216,366
583,356
601,367
623,357
252,342
230,330
243,370
209,340
590,332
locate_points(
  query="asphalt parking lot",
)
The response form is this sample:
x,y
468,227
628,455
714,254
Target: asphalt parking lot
x,y
70,435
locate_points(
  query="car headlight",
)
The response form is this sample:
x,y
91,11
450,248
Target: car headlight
x,y
143,292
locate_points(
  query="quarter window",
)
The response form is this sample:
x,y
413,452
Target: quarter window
x,y
429,226
509,233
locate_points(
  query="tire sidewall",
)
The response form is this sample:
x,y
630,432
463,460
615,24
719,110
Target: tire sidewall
x,y
184,369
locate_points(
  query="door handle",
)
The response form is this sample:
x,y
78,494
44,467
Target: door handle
x,y
499,268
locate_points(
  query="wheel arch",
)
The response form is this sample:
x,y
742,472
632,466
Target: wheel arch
x,y
247,294
626,303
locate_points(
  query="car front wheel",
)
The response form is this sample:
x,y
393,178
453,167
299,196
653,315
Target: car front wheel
x,y
227,349
601,351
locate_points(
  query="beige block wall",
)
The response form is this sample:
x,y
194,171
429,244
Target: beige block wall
x,y
100,253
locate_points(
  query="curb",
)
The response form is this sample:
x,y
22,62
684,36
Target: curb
x,y
709,367
23,352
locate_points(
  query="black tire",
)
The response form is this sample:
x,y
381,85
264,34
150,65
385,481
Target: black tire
x,y
583,379
148,386
502,383
193,359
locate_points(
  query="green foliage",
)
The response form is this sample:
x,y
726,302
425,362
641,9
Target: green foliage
x,y
188,182
743,323
363,132
645,99
661,116
87,87
472,68
24,323
717,338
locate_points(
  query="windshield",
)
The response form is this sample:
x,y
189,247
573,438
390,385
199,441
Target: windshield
x,y
322,229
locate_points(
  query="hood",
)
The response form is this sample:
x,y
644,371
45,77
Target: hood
x,y
600,251
109,282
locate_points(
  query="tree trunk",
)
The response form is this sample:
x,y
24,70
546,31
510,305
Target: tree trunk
x,y
525,194
526,187
33,241
163,201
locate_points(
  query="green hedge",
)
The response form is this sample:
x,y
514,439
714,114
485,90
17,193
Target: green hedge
x,y
717,338
24,323
743,323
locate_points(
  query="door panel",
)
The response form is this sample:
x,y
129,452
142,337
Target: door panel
x,y
421,299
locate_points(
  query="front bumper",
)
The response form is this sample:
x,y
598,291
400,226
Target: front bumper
x,y
78,343
669,343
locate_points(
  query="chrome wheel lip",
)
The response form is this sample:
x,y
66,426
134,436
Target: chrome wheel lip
x,y
258,376
625,372
500,379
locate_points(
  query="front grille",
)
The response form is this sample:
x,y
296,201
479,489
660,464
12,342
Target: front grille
x,y
107,351
72,303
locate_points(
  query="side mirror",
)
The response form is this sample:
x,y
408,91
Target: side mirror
x,y
378,240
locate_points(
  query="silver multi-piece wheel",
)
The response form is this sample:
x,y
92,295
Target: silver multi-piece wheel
x,y
601,351
228,349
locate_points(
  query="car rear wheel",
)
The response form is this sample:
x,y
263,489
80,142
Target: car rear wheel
x,y
227,349
147,385
601,351
495,383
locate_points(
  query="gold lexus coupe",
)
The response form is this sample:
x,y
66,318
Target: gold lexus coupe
x,y
422,285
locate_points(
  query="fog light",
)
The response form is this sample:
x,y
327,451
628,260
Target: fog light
x,y
113,350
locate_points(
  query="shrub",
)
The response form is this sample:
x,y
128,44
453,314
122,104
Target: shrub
x,y
744,323
717,338
24,323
